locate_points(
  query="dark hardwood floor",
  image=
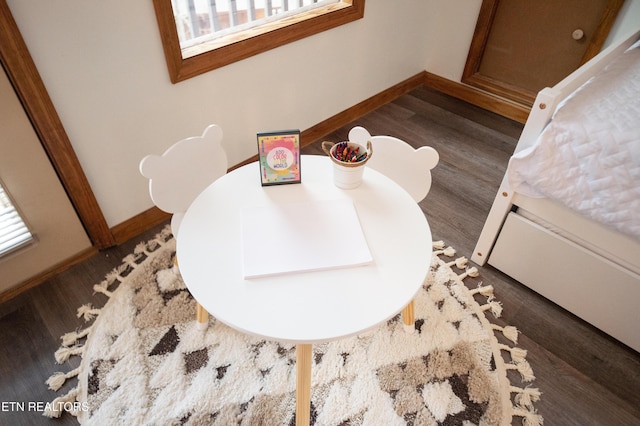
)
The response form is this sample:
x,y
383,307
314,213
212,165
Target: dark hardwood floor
x,y
586,378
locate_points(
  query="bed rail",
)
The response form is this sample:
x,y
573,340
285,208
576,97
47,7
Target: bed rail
x,y
543,109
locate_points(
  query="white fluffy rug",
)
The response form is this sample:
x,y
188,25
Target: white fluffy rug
x,y
144,361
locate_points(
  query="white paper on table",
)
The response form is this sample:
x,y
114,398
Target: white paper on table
x,y
302,237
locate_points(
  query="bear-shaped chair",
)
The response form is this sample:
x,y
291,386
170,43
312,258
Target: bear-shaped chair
x,y
408,167
179,175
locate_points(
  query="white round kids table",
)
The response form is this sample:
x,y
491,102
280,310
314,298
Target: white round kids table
x,y
320,302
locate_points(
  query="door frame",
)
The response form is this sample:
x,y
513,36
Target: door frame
x,y
471,74
22,72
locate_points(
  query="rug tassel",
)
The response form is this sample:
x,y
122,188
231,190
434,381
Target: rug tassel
x,y
518,355
509,331
104,284
142,248
494,306
113,276
524,369
471,272
529,418
525,397
486,290
54,409
132,259
88,312
72,337
449,252
165,234
56,381
438,245
63,354
100,289
459,263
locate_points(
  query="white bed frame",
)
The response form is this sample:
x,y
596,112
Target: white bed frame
x,y
587,268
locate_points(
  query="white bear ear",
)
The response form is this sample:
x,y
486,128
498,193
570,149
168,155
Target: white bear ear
x,y
213,132
429,155
359,135
150,166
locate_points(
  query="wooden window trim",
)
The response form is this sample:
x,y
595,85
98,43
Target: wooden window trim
x,y
253,42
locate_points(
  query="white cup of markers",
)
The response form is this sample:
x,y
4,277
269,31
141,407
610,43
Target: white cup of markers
x,y
348,162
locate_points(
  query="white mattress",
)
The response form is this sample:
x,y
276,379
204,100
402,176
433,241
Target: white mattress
x,y
588,156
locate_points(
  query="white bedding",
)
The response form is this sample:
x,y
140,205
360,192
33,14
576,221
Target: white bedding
x,y
588,156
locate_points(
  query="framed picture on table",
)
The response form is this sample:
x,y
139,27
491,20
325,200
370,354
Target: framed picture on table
x,y
279,156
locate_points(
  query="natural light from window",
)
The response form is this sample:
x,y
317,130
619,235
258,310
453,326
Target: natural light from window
x,y
202,21
13,231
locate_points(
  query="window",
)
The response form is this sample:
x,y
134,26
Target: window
x,y
13,231
202,35
204,24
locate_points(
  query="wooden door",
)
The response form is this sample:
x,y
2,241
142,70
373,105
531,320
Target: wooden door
x,y
522,46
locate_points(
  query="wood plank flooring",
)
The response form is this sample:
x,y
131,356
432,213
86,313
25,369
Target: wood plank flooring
x,y
586,377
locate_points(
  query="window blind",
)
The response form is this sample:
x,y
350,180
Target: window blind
x,y
13,231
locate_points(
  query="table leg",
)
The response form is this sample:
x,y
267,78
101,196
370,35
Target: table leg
x,y
408,318
202,316
303,384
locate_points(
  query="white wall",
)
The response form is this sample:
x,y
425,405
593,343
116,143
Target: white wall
x,y
449,28
103,65
627,22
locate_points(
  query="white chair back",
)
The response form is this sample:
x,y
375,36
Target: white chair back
x,y
179,175
396,159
